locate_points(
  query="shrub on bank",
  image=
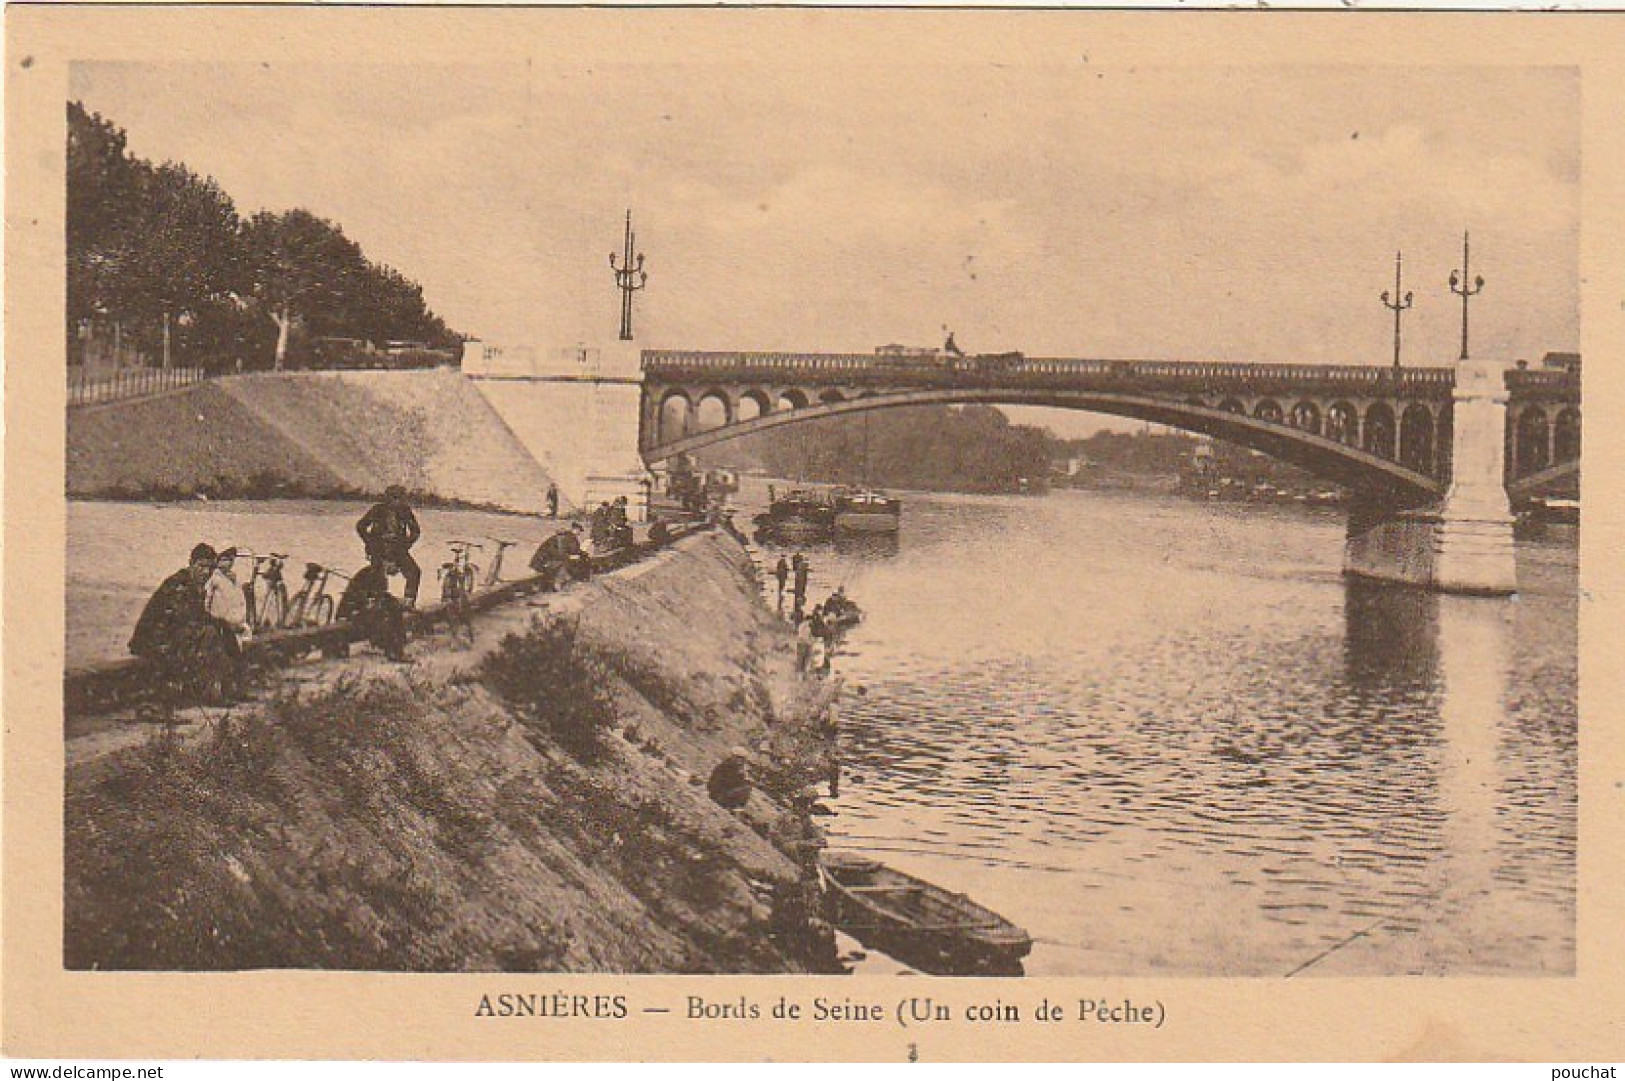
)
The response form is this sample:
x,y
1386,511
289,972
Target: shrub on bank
x,y
556,686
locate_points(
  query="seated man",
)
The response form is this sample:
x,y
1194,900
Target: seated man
x,y
376,613
560,554
195,652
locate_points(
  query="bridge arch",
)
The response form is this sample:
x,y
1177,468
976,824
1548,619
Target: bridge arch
x,y
1233,405
1344,463
1380,430
1268,410
1417,438
1343,423
1566,436
831,397
675,415
713,410
752,404
790,400
1305,417
1532,442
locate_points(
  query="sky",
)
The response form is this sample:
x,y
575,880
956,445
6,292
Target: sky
x,y
1241,213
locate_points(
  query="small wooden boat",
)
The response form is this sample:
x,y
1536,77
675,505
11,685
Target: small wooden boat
x,y
920,924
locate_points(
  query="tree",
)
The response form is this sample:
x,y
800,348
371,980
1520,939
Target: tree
x,y
303,270
103,188
189,256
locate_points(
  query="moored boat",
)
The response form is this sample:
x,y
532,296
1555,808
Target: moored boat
x,y
866,510
921,924
800,513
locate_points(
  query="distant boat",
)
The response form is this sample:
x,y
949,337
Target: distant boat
x,y
866,510
920,924
799,513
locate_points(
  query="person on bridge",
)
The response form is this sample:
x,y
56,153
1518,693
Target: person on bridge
x,y
194,651
388,532
952,347
376,613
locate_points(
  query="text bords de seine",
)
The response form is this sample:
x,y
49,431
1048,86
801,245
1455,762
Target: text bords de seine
x,y
906,1011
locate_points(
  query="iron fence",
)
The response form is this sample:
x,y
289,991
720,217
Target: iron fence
x,y
93,389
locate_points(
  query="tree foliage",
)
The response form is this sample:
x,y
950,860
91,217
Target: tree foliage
x,y
160,250
945,448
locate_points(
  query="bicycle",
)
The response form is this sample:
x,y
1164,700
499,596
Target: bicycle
x,y
457,577
493,576
311,606
266,614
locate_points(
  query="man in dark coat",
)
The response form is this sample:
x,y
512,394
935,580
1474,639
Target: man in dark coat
x,y
374,610
558,555
552,500
388,531
192,649
782,573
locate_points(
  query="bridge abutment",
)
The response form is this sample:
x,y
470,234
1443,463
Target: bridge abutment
x,y
1464,544
575,410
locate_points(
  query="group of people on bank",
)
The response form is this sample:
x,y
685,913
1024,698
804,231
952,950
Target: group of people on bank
x,y
194,625
827,621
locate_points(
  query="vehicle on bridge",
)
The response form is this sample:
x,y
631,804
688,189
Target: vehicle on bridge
x,y
908,356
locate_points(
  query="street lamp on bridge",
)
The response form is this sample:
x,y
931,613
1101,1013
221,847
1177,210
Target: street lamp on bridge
x,y
629,278
1459,286
1397,305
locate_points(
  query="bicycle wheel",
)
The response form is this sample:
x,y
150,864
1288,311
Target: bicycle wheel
x,y
471,574
274,610
322,614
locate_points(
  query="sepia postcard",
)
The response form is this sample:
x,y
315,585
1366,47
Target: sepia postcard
x,y
812,534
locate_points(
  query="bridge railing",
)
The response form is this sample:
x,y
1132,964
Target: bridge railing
x,y
972,371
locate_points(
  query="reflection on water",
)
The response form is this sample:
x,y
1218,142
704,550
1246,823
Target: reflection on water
x,y
1168,737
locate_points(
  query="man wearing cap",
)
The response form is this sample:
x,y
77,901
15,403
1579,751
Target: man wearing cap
x,y
388,531
177,633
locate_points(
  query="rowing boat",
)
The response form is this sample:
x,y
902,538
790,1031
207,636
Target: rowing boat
x,y
918,923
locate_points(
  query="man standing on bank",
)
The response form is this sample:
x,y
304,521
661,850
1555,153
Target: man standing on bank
x,y
388,531
552,500
782,573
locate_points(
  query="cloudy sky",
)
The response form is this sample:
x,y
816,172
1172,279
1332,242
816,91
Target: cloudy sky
x,y
1240,213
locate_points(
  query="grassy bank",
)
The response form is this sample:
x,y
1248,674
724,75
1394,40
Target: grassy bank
x,y
540,808
305,435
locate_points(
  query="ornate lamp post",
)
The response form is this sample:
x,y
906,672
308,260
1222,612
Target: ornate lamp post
x,y
629,278
1459,286
1396,305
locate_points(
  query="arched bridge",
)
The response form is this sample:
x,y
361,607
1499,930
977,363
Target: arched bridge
x,y
1376,429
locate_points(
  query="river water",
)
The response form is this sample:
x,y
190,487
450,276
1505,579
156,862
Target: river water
x,y
1169,737
1166,737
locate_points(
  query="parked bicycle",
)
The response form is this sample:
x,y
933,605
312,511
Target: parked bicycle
x,y
457,577
267,605
312,606
493,576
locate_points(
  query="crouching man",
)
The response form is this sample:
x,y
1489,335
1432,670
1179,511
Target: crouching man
x,y
375,612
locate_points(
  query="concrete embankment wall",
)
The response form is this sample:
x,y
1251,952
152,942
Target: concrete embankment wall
x,y
310,433
417,820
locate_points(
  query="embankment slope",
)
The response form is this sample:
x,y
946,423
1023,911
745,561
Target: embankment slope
x,y
308,433
421,821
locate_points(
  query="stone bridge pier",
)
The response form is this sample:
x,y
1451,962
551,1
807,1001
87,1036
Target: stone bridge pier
x,y
1462,544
